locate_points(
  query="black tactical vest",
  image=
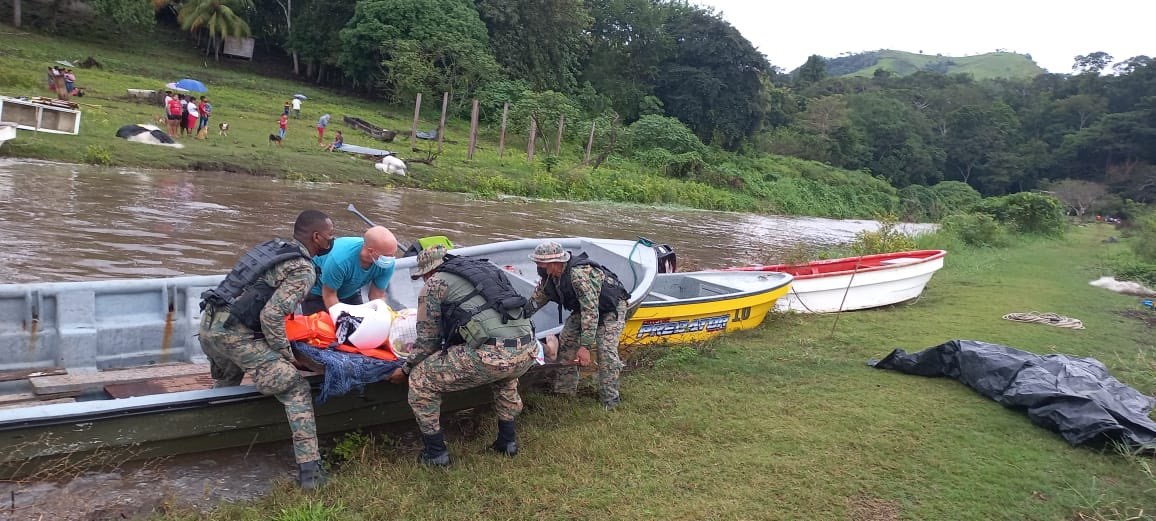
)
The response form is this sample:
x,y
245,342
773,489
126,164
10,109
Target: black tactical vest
x,y
243,292
492,285
612,289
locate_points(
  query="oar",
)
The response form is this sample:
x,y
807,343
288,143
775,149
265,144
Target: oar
x,y
400,245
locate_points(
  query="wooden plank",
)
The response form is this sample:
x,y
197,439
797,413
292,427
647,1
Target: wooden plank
x,y
86,382
17,397
161,386
7,376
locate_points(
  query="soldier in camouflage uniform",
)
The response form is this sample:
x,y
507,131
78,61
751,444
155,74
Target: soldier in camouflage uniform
x,y
243,329
468,334
597,304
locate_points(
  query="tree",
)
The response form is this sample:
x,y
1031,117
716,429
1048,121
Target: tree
x,y
712,82
312,38
1092,63
813,71
1078,195
541,41
397,48
1084,108
16,13
125,15
628,42
897,139
977,136
217,17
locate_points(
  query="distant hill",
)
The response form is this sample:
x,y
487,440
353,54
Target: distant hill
x,y
982,67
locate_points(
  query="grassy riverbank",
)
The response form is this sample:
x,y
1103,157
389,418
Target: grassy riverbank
x,y
787,422
251,104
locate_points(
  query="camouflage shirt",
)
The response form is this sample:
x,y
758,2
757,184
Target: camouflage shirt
x,y
429,318
587,282
293,279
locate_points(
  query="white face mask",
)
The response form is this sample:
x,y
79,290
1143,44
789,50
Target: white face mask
x,y
384,262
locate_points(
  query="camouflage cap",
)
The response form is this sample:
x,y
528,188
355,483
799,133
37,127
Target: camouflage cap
x,y
550,251
428,260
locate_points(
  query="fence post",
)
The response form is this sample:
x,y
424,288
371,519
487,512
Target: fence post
x,y
502,138
561,128
590,142
442,123
473,130
413,128
533,134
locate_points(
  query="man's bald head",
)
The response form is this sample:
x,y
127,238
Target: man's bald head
x,y
381,240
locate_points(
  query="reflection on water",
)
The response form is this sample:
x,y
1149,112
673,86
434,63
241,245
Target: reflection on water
x,y
71,222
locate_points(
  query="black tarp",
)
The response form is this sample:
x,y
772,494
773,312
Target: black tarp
x,y
1075,397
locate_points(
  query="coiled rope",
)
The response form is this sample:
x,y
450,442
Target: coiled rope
x,y
1050,319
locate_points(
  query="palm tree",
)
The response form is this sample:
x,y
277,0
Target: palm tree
x,y
218,17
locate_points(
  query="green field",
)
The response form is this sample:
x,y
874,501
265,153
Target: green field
x,y
981,66
787,422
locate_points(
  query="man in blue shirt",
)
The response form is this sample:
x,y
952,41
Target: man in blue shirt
x,y
353,263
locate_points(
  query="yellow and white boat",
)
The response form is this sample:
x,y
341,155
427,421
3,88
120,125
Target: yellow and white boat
x,y
696,306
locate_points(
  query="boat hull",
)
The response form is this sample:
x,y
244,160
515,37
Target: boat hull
x,y
856,283
86,328
663,319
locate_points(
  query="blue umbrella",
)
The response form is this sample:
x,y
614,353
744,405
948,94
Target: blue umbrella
x,y
300,96
191,85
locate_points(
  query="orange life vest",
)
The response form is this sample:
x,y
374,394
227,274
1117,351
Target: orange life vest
x,y
318,331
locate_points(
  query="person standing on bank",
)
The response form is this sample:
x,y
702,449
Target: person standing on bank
x,y
471,330
243,329
353,263
596,300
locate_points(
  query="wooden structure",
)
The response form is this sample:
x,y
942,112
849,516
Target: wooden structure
x,y
41,115
374,131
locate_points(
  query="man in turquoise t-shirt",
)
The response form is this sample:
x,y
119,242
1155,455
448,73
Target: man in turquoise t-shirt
x,y
353,263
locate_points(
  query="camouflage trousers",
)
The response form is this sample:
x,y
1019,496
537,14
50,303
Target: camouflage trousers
x,y
609,333
233,352
459,368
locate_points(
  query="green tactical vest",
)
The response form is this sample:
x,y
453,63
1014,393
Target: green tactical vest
x,y
483,326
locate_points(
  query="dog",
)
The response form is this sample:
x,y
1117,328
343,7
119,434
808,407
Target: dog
x,y
162,121
274,138
223,129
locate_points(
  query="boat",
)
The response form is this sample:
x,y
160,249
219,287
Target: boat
x,y
374,131
41,114
7,132
853,283
696,306
113,367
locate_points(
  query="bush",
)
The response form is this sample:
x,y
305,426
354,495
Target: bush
x,y
1144,239
652,131
1135,271
976,229
919,202
97,155
955,197
1027,212
886,239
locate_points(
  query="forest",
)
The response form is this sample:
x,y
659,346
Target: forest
x,y
696,93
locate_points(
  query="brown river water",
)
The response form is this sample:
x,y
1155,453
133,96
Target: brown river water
x,y
62,222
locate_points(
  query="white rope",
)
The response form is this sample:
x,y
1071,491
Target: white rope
x,y
1050,319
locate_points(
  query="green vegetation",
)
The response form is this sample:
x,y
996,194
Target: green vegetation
x,y
987,66
787,422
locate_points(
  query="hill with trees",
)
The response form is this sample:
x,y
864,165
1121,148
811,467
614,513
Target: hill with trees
x,y
677,92
993,65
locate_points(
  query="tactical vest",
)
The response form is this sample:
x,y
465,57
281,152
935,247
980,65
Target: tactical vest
x,y
612,289
480,304
244,292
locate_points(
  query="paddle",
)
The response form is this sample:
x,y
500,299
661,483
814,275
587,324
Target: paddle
x,y
400,245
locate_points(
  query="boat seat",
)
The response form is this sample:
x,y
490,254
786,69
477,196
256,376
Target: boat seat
x,y
899,260
661,296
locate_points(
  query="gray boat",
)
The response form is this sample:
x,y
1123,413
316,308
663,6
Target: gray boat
x,y
88,368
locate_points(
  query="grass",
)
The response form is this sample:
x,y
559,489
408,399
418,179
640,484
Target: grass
x,y
787,422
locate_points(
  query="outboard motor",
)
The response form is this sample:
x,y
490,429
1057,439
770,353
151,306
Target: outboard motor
x,y
667,260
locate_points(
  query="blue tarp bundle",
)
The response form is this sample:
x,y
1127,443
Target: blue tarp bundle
x,y
345,372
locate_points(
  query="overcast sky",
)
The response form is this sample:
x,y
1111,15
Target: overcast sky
x,y
1052,32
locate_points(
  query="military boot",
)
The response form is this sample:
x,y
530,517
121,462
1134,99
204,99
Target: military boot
x,y
309,475
435,451
507,442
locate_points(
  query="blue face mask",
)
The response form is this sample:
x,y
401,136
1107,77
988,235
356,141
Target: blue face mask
x,y
384,262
